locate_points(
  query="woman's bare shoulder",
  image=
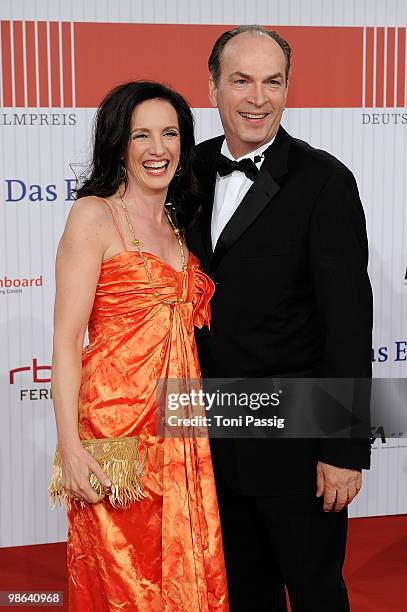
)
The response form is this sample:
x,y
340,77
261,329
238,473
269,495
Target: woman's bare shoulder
x,y
89,208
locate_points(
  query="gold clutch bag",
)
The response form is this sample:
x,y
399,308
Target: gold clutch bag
x,y
120,460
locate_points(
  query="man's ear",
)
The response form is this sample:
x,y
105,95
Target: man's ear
x,y
286,91
213,99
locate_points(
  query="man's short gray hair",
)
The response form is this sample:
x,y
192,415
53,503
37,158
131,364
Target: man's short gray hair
x,y
215,56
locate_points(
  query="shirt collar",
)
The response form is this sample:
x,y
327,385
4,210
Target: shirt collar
x,y
225,151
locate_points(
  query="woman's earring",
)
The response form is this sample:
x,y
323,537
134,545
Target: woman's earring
x,y
122,173
178,170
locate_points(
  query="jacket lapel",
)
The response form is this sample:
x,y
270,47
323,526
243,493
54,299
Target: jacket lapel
x,y
205,217
207,184
263,190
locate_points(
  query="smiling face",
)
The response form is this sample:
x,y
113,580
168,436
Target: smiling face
x,y
251,92
154,147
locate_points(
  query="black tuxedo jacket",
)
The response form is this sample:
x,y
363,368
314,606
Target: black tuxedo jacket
x,y
292,298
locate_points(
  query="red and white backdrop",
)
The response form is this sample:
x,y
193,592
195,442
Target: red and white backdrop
x,y
348,94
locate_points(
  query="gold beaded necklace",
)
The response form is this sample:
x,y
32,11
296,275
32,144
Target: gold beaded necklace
x,y
136,243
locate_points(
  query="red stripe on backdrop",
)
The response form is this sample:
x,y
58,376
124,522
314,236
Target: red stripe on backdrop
x,y
401,67
380,67
67,64
369,67
18,63
327,61
390,67
43,63
30,61
6,63
327,66
109,54
55,67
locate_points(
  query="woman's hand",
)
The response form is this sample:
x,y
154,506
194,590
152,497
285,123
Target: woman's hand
x,y
77,464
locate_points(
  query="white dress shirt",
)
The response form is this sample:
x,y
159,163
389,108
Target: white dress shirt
x,y
230,191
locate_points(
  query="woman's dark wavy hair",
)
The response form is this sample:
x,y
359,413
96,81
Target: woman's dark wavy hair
x,y
111,134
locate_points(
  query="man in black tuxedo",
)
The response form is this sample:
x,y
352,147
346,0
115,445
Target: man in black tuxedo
x,y
282,234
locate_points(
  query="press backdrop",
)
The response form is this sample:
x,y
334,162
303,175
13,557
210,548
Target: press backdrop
x,y
348,94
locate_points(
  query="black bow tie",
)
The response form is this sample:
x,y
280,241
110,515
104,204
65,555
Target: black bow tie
x,y
226,166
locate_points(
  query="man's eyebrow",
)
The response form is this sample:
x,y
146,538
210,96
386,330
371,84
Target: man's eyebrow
x,y
248,76
276,75
240,74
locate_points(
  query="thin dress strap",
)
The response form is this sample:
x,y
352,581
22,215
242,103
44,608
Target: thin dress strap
x,y
115,222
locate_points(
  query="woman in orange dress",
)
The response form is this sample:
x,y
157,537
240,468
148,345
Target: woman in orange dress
x,y
123,271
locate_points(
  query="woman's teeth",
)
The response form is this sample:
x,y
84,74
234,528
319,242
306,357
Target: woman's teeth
x,y
156,167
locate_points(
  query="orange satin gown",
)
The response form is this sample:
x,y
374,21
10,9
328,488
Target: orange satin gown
x,y
164,552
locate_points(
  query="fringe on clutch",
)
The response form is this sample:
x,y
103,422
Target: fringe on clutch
x,y
120,460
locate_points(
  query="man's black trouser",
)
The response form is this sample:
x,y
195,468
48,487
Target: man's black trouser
x,y
270,542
